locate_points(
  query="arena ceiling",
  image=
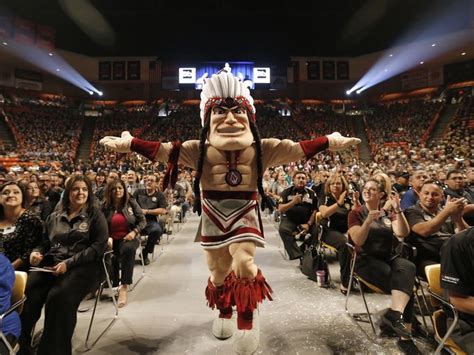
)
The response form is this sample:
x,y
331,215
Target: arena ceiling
x,y
228,30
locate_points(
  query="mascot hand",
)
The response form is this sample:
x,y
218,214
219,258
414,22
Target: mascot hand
x,y
338,142
119,144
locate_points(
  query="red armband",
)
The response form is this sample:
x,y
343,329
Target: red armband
x,y
145,148
311,147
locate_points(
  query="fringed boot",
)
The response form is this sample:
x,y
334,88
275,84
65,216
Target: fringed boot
x,y
220,297
248,293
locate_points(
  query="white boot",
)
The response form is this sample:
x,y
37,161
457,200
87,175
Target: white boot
x,y
247,341
223,328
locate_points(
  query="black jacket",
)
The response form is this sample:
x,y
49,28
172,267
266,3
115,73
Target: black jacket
x,y
78,241
132,212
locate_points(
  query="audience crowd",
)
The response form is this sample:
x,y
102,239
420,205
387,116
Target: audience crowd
x,y
422,192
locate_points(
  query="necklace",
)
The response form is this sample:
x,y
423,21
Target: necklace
x,y
233,176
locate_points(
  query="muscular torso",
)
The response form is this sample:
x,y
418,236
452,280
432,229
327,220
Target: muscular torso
x,y
274,152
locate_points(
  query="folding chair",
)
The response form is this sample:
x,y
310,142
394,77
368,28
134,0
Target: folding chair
x,y
442,335
17,300
360,282
99,293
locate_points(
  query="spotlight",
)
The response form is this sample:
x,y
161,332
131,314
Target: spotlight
x,y
100,93
50,54
4,43
57,69
390,55
385,70
91,92
433,45
348,92
358,91
463,53
422,62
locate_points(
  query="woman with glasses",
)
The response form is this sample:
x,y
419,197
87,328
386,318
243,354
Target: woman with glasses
x,y
374,233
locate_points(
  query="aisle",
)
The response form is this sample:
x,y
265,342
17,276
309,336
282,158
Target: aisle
x,y
167,313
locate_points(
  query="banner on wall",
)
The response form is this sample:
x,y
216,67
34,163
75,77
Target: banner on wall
x,y
133,70
343,70
45,37
328,70
105,70
24,31
118,70
314,70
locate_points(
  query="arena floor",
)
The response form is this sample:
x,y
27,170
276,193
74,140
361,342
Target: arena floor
x,y
167,314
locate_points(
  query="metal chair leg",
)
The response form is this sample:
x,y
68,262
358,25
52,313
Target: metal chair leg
x,y
109,283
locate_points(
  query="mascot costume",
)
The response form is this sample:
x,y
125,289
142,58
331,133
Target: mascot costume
x,y
229,160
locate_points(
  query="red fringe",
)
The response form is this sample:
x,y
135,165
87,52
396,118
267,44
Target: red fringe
x,y
221,297
248,293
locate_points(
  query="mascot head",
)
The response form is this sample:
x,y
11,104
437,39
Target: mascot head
x,y
228,123
227,109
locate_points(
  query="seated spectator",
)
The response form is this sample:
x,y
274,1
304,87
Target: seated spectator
x,y
176,199
432,225
402,183
374,233
456,187
457,276
99,181
125,220
38,204
278,186
74,240
335,208
132,182
20,230
47,190
410,198
153,204
11,326
297,207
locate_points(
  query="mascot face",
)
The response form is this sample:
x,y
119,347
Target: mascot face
x,y
229,128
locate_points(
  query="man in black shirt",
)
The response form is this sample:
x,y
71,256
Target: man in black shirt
x,y
297,208
457,276
432,225
153,204
456,182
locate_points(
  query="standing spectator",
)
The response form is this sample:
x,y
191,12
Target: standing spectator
x,y
20,230
153,204
74,241
125,220
457,276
